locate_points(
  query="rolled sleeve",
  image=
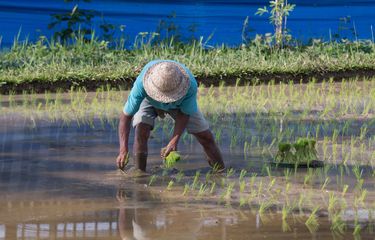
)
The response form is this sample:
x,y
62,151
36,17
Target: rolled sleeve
x,y
189,105
136,96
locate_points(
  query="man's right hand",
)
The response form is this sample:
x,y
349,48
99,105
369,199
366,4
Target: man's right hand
x,y
122,160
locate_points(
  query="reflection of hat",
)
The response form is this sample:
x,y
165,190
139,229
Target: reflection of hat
x,y
166,82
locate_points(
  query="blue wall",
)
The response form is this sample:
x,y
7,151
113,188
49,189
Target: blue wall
x,y
223,18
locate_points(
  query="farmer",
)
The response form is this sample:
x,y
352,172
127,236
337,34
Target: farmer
x,y
164,87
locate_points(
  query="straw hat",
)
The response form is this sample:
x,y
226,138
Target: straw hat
x,y
166,82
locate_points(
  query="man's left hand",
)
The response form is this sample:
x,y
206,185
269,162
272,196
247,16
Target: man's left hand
x,y
172,146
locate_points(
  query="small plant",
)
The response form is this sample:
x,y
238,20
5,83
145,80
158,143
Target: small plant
x,y
264,206
179,176
230,172
312,222
152,180
228,192
271,184
196,179
242,186
325,183
344,190
338,225
202,189
186,189
357,172
242,201
242,174
287,174
170,185
280,10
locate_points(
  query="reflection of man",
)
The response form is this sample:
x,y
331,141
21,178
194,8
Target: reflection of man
x,y
164,87
141,222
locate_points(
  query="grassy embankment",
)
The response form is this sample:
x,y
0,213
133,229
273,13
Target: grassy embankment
x,y
51,65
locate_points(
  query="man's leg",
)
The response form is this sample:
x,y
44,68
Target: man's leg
x,y
215,159
143,122
199,127
140,148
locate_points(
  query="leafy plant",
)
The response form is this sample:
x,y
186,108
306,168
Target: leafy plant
x,y
278,11
78,22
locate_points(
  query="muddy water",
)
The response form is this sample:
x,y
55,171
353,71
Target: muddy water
x,y
61,183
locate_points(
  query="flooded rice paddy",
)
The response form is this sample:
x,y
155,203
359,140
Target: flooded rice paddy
x,y
59,180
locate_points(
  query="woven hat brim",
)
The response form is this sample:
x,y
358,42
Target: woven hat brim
x,y
166,97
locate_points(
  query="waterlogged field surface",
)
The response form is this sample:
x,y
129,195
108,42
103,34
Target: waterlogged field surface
x,y
58,175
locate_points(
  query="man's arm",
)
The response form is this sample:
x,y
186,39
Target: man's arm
x,y
179,128
123,133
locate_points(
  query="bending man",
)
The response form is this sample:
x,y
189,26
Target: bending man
x,y
164,87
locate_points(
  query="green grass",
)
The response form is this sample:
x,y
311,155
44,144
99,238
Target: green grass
x,y
49,61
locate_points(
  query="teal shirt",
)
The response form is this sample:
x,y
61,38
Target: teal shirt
x,y
187,104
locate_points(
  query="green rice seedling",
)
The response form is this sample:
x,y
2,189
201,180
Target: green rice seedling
x,y
196,179
152,180
312,221
287,188
301,200
229,190
179,176
344,190
252,180
332,202
326,182
359,184
269,172
242,186
287,174
230,172
242,175
357,226
271,184
213,186
361,198
222,182
308,178
186,189
286,210
338,225
202,189
357,172
264,206
363,133
170,185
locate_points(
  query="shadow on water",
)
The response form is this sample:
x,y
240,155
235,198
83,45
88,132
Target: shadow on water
x,y
61,182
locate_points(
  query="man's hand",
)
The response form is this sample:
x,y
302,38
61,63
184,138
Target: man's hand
x,y
122,160
179,127
172,146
